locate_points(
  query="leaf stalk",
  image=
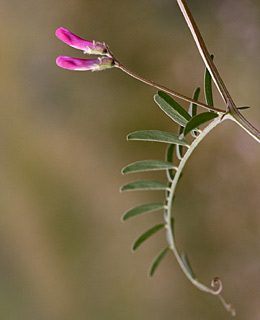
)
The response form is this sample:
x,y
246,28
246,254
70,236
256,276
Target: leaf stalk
x,y
168,219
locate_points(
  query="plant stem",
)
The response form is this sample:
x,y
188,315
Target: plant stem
x,y
204,51
160,87
168,217
237,117
231,107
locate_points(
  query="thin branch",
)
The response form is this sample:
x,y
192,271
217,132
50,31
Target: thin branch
x,y
204,52
231,107
160,87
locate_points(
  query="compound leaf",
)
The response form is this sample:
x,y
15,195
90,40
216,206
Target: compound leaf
x,y
144,185
199,119
157,136
147,234
148,165
143,208
157,261
172,108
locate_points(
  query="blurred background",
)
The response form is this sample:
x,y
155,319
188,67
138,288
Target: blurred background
x,y
64,252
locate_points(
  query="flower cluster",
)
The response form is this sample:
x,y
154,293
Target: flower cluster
x,y
89,47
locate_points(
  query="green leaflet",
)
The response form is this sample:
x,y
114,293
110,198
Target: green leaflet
x,y
157,136
172,108
144,185
208,87
169,158
186,262
157,261
193,106
148,165
143,208
193,109
243,108
199,119
179,149
147,234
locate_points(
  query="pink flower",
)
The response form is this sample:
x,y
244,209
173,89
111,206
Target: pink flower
x,y
90,47
85,64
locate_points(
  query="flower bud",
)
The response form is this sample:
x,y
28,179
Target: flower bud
x,y
90,47
85,64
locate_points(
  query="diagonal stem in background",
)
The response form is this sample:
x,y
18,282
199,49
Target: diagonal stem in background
x,y
204,52
231,107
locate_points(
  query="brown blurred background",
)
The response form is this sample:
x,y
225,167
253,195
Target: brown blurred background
x,y
64,252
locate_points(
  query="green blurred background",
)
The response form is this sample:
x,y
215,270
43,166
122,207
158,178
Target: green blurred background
x,y
64,252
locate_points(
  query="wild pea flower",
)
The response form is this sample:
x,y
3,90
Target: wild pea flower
x,y
89,47
84,64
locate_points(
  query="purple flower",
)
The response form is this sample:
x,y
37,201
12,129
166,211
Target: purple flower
x,y
85,64
90,47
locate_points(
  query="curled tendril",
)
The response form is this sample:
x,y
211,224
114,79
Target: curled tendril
x,y
227,306
216,282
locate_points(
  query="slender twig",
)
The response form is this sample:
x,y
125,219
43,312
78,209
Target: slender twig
x,y
231,107
204,51
163,88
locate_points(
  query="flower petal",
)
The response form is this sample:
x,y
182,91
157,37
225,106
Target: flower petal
x,y
77,64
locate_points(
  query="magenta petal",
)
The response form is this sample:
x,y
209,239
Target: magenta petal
x,y
77,64
73,40
76,42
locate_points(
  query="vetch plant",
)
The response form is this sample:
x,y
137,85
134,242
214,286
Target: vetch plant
x,y
197,125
